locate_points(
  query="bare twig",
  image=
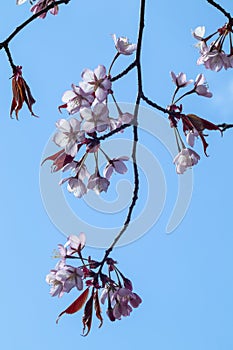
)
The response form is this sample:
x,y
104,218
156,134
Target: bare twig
x,y
218,7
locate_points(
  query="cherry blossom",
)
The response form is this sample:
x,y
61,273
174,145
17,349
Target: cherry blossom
x,y
75,242
199,32
96,82
126,118
123,45
68,135
76,99
96,119
185,159
213,56
190,137
98,183
64,279
56,285
115,164
180,79
70,277
75,186
200,86
122,302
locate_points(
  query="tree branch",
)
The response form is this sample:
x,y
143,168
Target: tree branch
x,y
225,126
218,7
30,19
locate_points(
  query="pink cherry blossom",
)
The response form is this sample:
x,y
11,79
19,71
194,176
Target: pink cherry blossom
x,y
199,32
185,159
41,5
200,86
124,299
190,137
213,58
96,82
180,79
98,183
70,277
115,164
96,119
69,135
75,186
56,285
126,118
123,45
75,242
76,99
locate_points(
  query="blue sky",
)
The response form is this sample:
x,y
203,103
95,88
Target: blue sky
x,y
184,278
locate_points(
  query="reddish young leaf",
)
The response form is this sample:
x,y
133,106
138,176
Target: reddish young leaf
x,y
60,159
201,124
87,317
97,308
76,305
192,121
21,93
53,156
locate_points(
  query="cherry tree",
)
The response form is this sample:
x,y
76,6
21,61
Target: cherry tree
x,y
102,287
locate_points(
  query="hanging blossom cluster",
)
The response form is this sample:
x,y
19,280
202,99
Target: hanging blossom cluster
x,y
79,137
40,5
111,288
213,55
193,126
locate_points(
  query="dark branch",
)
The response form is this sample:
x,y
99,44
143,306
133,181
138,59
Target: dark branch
x,y
135,130
225,126
10,59
153,104
218,7
125,71
29,20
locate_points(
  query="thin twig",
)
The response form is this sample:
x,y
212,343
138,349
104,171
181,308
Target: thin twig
x,y
125,71
30,19
225,126
217,6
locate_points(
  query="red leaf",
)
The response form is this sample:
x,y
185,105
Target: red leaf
x,y
87,317
53,156
191,121
97,308
60,159
76,305
62,106
200,124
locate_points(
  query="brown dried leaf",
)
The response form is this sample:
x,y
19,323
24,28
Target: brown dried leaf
x,y
97,308
76,305
87,317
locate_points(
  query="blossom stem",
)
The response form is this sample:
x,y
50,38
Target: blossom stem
x,y
175,92
185,94
117,106
113,61
106,156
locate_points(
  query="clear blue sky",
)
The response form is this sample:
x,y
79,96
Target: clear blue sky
x,y
184,278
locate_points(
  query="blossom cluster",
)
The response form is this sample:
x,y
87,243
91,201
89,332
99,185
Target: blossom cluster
x,y
117,290
213,55
193,125
79,136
